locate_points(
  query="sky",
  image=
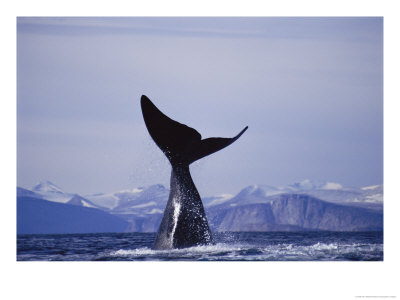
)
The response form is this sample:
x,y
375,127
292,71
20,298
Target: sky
x,y
310,90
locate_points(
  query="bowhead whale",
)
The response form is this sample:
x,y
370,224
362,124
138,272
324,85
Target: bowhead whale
x,y
184,223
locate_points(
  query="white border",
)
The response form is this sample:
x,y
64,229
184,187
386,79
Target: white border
x,y
240,280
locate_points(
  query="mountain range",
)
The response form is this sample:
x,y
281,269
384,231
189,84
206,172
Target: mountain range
x,y
304,205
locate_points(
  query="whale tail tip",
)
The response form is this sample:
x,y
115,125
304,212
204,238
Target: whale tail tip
x,y
180,143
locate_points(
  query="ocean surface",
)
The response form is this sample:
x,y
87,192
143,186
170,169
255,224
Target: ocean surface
x,y
231,246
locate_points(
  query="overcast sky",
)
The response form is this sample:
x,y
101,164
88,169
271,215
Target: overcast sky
x,y
310,90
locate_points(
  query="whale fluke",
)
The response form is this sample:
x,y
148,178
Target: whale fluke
x,y
179,142
211,145
184,223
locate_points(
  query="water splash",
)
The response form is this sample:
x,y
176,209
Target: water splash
x,y
243,251
177,209
228,247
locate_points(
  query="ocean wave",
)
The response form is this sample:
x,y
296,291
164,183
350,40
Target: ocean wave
x,y
211,249
289,251
228,247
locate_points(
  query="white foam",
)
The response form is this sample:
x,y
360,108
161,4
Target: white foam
x,y
238,251
134,252
203,249
322,246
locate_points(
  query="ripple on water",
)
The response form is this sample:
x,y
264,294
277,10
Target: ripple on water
x,y
228,247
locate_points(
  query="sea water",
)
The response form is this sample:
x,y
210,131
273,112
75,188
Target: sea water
x,y
229,246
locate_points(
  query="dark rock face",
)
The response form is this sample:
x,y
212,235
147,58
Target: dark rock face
x,y
299,210
252,217
312,213
293,212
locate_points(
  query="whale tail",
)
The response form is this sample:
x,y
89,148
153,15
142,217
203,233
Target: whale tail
x,y
180,143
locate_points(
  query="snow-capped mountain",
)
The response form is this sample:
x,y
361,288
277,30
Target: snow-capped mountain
x,y
368,197
372,193
371,197
255,191
293,212
80,201
107,201
216,200
46,186
51,192
152,199
303,205
142,200
149,200
300,206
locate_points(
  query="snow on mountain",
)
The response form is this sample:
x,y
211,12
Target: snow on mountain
x,y
46,186
141,200
332,186
372,193
251,194
293,212
108,201
261,190
129,194
216,200
147,200
80,201
116,200
371,197
142,207
371,187
51,192
368,198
